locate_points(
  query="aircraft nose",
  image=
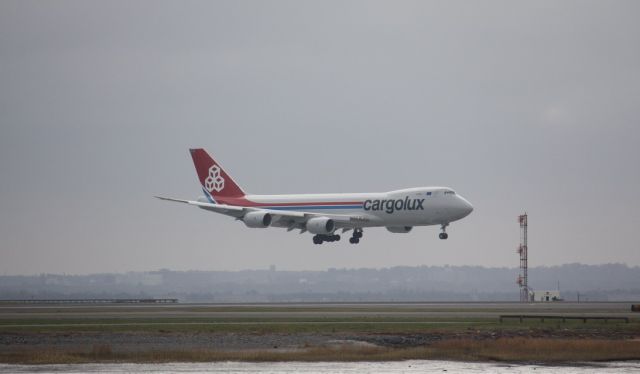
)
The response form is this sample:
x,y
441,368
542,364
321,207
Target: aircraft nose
x,y
467,208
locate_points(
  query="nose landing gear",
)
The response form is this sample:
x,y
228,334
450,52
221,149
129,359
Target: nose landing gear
x,y
443,235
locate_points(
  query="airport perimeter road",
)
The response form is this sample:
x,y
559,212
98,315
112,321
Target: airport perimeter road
x,y
435,311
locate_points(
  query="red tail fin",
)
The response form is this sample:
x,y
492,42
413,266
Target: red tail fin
x,y
215,182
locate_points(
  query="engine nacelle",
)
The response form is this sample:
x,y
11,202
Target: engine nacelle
x,y
399,229
321,225
257,220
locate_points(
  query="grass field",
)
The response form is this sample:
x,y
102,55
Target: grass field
x,y
301,325
254,325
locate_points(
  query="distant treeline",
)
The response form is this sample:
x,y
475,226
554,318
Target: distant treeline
x,y
609,282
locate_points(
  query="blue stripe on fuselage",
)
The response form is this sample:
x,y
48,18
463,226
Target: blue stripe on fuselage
x,y
307,207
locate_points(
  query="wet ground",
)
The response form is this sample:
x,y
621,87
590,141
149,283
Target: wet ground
x,y
329,367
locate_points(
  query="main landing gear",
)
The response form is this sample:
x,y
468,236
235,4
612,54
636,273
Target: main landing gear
x,y
443,235
319,239
357,234
355,239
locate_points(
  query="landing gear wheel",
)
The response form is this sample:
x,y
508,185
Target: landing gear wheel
x,y
357,234
319,239
443,235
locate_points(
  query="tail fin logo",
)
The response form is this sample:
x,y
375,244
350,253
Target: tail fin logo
x,y
215,181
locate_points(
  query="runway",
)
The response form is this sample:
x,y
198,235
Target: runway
x,y
353,311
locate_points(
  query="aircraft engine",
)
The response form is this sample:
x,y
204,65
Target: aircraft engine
x,y
257,219
399,229
321,225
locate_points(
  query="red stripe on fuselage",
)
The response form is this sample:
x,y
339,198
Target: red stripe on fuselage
x,y
241,201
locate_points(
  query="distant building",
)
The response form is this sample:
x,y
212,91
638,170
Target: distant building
x,y
546,296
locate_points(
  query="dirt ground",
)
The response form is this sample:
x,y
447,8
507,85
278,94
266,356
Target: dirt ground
x,y
147,341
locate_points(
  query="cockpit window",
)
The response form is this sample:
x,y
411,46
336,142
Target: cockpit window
x,y
449,192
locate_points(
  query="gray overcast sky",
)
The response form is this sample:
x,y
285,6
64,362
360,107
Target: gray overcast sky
x,y
517,105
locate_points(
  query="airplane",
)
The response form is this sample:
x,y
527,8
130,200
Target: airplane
x,y
325,214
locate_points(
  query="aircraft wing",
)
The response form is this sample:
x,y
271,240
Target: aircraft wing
x,y
229,210
287,219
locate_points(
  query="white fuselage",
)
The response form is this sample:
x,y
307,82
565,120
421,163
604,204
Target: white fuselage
x,y
408,207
